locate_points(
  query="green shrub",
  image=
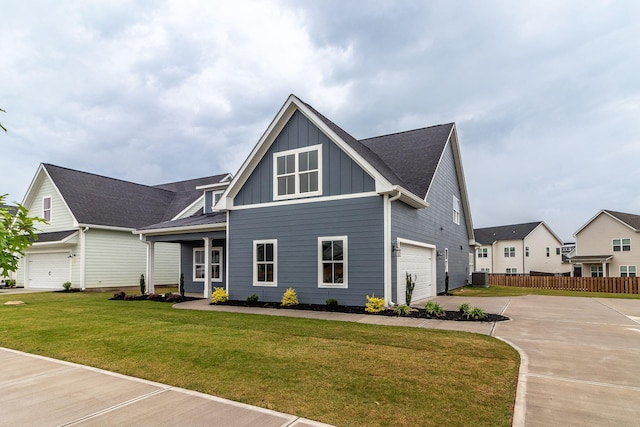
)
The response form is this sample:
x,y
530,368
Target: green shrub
x,y
434,309
332,302
67,286
253,298
402,309
10,283
476,313
219,295
374,305
410,284
143,288
289,298
464,308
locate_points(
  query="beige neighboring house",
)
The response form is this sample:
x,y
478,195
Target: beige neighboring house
x,y
519,249
608,245
88,238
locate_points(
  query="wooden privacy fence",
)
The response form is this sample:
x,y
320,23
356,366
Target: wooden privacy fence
x,y
615,285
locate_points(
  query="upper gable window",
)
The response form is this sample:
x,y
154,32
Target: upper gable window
x,y
298,173
456,210
46,208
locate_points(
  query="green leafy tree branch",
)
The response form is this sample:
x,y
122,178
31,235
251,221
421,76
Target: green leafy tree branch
x,y
17,232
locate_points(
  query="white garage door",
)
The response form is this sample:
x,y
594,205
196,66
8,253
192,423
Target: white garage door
x,y
417,261
48,270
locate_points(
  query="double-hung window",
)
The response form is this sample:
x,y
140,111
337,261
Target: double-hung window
x,y
332,262
512,270
265,263
621,245
596,271
526,251
199,266
456,210
548,252
510,252
46,208
627,271
482,253
298,173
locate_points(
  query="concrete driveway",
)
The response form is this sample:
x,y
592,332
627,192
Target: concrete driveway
x,y
581,358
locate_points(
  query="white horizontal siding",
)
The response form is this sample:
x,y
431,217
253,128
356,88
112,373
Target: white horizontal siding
x,y
118,258
167,263
61,218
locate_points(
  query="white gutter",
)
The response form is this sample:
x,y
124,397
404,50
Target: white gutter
x,y
173,230
106,227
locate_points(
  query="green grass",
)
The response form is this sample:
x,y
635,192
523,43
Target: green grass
x,y
342,373
510,291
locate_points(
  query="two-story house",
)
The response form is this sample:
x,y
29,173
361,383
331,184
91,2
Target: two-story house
x,y
608,246
314,209
527,248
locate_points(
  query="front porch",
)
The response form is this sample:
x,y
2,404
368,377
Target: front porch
x,y
203,251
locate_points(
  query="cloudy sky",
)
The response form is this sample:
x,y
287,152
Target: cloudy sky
x,y
545,94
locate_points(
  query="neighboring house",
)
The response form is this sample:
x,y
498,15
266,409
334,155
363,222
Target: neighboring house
x,y
608,245
88,238
519,249
314,209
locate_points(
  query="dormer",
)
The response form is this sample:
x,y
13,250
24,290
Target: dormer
x,y
213,192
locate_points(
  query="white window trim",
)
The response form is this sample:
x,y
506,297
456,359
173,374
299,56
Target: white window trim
x,y
213,199
297,194
193,259
456,210
345,262
50,208
635,270
622,239
275,263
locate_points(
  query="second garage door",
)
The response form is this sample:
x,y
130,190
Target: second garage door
x,y
418,260
48,270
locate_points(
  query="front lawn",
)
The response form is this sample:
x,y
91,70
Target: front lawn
x,y
512,291
341,373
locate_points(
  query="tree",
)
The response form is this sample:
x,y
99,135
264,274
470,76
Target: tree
x,y
17,232
2,127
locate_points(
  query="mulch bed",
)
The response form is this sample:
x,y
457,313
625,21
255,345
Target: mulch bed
x,y
173,298
418,313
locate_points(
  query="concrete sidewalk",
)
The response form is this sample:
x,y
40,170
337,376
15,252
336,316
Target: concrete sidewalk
x,y
39,391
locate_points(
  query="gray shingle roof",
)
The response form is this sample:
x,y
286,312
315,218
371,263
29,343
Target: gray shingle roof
x,y
408,159
630,219
413,155
54,236
99,200
197,219
488,235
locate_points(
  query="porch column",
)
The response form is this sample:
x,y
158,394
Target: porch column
x,y
604,269
207,268
150,267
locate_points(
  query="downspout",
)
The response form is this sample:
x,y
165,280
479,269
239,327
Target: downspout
x,y
82,257
524,270
387,247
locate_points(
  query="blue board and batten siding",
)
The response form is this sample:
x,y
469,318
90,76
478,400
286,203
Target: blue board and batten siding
x,y
297,228
340,175
434,225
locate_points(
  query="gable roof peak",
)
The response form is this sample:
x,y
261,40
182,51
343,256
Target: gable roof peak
x,y
632,220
